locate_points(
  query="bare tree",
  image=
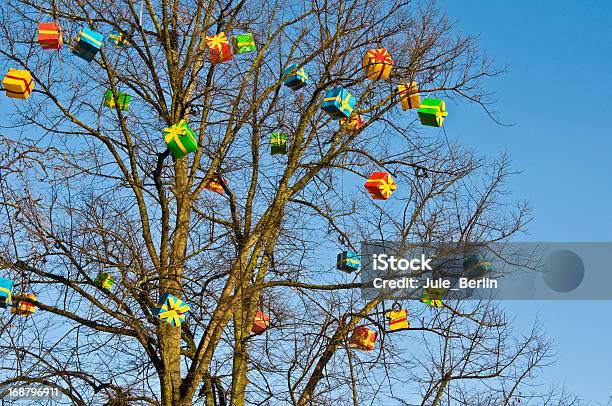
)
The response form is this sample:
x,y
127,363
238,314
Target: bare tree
x,y
88,189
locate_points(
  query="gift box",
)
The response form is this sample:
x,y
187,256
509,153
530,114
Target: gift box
x,y
409,96
348,261
354,123
338,103
298,78
23,307
122,98
363,338
215,186
243,43
432,112
278,143
6,292
477,265
171,309
219,48
433,296
117,38
87,44
105,280
181,140
261,323
50,36
398,319
18,84
377,64
380,185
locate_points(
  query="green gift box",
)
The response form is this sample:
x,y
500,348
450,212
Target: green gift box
x,y
278,143
243,43
105,280
432,112
181,140
122,98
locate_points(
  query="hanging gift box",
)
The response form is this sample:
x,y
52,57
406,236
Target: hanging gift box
x,y
6,292
105,280
171,309
338,103
180,139
278,143
380,185
432,112
398,319
354,123
50,36
243,43
433,296
348,261
477,265
219,48
22,306
363,339
215,186
122,98
87,44
117,38
377,64
18,84
261,323
409,96
298,78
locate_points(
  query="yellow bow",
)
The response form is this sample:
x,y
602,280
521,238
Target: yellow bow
x,y
173,133
217,41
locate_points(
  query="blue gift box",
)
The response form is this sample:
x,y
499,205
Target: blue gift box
x,y
171,309
348,261
88,43
298,79
6,292
338,103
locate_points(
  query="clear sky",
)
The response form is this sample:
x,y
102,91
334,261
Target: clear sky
x,y
557,92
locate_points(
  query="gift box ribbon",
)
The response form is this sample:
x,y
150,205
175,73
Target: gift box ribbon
x,y
217,41
89,37
8,294
380,56
173,134
25,82
344,105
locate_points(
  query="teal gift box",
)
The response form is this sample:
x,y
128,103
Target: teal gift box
x,y
116,37
298,78
87,44
171,309
477,265
348,261
6,292
338,103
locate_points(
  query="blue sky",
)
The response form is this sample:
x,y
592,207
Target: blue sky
x,y
557,92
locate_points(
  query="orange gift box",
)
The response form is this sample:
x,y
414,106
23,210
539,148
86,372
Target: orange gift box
x,y
380,185
50,36
363,338
219,48
409,96
261,323
377,64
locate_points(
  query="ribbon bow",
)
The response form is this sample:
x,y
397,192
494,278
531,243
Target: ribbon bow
x,y
174,133
217,41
